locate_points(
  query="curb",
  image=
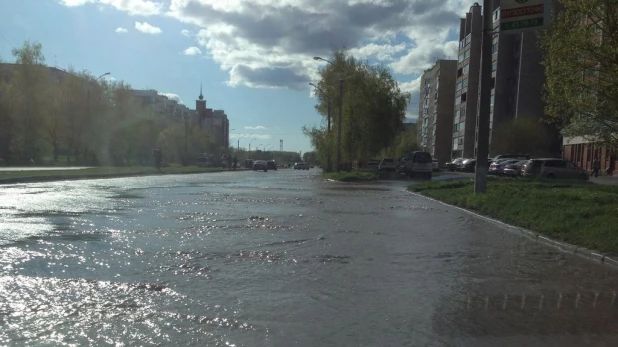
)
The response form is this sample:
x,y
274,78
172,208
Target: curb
x,y
57,178
564,247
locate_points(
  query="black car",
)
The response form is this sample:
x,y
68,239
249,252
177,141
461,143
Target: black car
x,y
260,165
271,165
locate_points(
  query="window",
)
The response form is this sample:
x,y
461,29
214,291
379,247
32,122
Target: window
x,y
455,143
467,54
463,97
494,48
491,101
458,86
555,163
493,82
460,58
464,83
460,72
496,15
463,112
466,69
494,65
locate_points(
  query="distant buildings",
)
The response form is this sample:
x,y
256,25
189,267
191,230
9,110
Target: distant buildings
x,y
213,123
436,109
516,90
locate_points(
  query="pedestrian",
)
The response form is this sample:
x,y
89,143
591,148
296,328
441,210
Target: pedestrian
x,y
157,158
596,166
234,161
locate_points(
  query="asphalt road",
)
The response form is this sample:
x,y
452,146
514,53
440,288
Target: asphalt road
x,y
281,259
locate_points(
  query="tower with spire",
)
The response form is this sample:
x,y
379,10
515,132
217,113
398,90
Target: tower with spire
x,y
200,108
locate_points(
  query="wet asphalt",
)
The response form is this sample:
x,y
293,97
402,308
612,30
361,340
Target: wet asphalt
x,y
281,258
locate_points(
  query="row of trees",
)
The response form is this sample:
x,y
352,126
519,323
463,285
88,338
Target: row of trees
x,y
373,110
52,115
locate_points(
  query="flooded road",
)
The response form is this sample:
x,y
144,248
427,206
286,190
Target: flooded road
x,y
280,259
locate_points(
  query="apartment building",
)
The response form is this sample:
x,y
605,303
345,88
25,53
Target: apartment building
x,y
467,84
516,83
437,97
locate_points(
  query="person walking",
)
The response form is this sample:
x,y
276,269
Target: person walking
x,y
596,166
157,158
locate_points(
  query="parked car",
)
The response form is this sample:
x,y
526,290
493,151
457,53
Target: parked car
x,y
271,165
400,167
387,164
454,165
260,165
514,169
468,165
511,156
419,163
551,168
497,167
373,164
435,164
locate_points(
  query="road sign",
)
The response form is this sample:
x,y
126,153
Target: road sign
x,y
523,15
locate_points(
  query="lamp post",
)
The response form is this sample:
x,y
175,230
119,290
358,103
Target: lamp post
x,y
253,139
328,163
340,113
268,147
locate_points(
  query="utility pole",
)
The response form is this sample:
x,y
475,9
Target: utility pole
x,y
482,119
186,145
339,122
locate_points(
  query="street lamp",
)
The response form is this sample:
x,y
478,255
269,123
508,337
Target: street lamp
x,y
340,112
328,163
253,139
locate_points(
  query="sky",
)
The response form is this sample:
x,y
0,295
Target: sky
x,y
252,57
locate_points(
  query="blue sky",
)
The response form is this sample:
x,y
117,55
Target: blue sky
x,y
252,57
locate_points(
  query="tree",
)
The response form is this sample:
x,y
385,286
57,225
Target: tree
x,y
373,108
28,83
311,157
581,66
524,135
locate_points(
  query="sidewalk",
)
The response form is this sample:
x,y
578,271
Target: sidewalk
x,y
607,180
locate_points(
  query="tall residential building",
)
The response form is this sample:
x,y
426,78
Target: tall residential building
x,y
517,80
463,134
435,121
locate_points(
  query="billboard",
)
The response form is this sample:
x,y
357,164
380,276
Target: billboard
x,y
517,16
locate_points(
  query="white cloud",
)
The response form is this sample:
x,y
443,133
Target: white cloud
x,y
270,43
121,30
192,51
259,127
251,136
172,96
74,3
132,7
147,28
411,86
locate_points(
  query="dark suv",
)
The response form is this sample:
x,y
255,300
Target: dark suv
x,y
271,165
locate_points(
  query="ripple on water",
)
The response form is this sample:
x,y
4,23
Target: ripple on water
x,y
86,312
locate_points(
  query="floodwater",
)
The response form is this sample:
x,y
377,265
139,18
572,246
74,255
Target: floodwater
x,y
280,258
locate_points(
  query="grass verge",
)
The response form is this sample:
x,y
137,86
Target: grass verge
x,y
351,176
7,177
580,213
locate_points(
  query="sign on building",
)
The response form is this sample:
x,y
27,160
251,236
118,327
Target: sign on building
x,y
517,16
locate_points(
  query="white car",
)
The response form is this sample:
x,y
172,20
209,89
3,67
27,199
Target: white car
x,y
387,164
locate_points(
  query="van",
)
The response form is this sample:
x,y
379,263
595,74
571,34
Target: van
x,y
419,163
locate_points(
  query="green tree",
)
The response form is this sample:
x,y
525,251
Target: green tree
x,y
373,108
582,69
29,80
524,135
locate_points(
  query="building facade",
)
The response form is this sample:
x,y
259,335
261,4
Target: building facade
x,y
213,123
517,80
436,109
463,135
